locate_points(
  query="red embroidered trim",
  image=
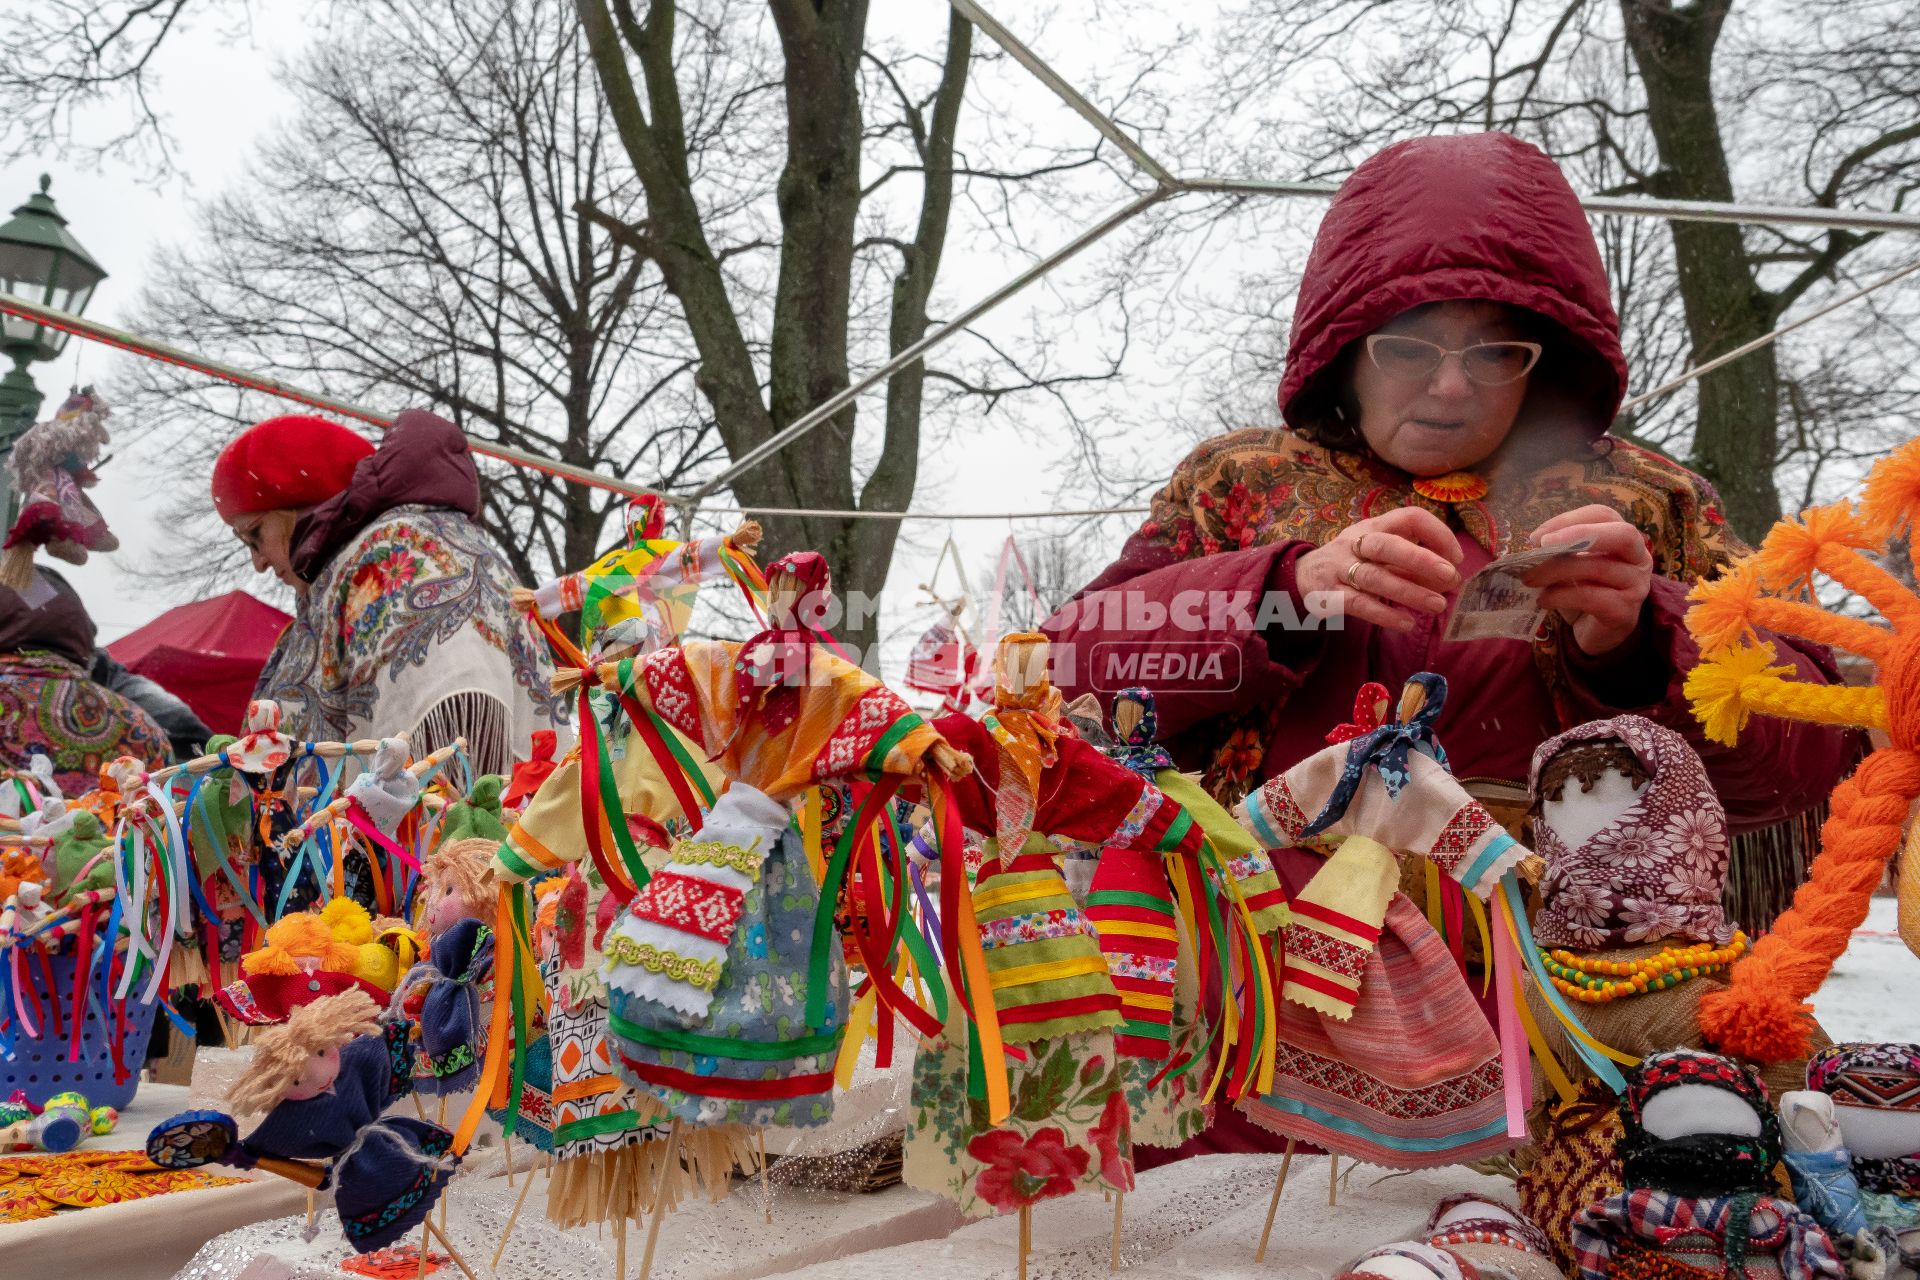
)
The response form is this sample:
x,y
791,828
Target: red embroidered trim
x,y
671,690
1327,915
1277,796
690,904
1337,954
1342,1080
855,737
1462,829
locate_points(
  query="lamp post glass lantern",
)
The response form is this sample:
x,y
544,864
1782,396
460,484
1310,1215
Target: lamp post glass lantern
x,y
40,261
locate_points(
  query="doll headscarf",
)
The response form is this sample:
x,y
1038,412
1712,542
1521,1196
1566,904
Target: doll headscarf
x,y
1883,1077
1026,724
1657,870
1700,1164
1140,752
772,664
1385,749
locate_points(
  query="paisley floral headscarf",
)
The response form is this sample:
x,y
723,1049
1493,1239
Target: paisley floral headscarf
x,y
1026,724
1654,872
1140,752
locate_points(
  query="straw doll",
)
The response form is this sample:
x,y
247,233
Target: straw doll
x,y
1042,791
1365,974
728,997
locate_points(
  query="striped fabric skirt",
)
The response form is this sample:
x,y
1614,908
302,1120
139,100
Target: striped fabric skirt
x,y
1412,1080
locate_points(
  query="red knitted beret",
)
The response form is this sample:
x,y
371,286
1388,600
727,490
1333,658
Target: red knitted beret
x,y
291,461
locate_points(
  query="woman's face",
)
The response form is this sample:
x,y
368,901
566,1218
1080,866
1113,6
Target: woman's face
x,y
1443,421
268,536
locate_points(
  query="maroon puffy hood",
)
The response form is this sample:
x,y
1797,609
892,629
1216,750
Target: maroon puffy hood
x,y
423,460
1472,216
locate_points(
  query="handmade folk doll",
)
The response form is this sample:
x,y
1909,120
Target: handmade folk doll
x,y
1875,1089
1630,935
1699,1147
1041,791
728,1003
322,1084
52,464
1366,975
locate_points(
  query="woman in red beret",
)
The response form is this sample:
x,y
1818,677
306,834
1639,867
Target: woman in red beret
x,y
403,620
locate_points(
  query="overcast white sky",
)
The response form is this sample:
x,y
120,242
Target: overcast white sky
x,y
219,94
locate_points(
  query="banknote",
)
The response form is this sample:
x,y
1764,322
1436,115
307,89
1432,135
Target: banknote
x,y
1496,602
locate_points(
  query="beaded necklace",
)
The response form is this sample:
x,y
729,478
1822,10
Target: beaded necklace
x,y
1601,981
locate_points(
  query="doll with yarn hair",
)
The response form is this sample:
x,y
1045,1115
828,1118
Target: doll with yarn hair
x,y
451,991
1765,1014
321,1084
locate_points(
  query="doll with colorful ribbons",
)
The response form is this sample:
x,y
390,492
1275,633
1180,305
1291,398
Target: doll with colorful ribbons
x,y
781,714
1764,1015
1364,974
1121,876
1041,791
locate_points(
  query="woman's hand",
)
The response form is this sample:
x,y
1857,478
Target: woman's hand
x,y
1387,570
1600,591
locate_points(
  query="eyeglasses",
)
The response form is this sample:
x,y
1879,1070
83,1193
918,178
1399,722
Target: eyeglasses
x,y
1487,364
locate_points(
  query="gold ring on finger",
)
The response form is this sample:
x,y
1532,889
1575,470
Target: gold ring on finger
x,y
1352,574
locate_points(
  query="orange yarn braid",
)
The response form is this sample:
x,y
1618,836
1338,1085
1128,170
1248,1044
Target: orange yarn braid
x,y
1764,1014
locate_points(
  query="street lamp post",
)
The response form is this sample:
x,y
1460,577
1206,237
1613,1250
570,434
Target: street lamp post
x,y
40,261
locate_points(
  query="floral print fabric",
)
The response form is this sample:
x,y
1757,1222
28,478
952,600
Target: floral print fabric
x,y
414,611
1656,871
1069,1129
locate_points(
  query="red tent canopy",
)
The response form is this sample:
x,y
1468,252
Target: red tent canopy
x,y
208,654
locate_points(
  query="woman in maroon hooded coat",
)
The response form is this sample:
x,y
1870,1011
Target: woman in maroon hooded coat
x,y
1453,369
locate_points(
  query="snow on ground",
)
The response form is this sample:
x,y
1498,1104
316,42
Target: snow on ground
x,y
1874,991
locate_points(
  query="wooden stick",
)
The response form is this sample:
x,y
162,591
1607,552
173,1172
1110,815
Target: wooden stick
x,y
426,1225
452,1252
1273,1205
1333,1180
514,1217
620,1250
1026,1237
506,1143
419,1110
766,1188
659,1210
1113,1257
310,1207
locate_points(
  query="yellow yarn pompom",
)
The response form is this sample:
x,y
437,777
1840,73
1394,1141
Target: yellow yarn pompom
x,y
1716,688
1722,613
349,921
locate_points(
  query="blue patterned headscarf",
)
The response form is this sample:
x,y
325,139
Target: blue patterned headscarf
x,y
1139,752
1385,749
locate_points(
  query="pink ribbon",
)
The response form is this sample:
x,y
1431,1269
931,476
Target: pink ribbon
x,y
1516,1068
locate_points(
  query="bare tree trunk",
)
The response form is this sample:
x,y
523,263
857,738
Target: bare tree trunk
x,y
1736,438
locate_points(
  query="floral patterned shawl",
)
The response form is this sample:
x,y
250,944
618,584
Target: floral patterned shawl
x,y
1263,485
410,627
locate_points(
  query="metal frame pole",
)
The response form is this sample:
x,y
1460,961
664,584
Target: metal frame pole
x,y
107,335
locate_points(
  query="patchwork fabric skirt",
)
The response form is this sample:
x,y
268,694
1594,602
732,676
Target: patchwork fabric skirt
x,y
750,1058
1412,1080
1048,976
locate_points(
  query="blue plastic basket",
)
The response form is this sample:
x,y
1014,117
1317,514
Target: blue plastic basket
x,y
40,1068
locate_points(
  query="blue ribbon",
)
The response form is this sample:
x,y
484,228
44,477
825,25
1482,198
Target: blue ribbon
x,y
1386,750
